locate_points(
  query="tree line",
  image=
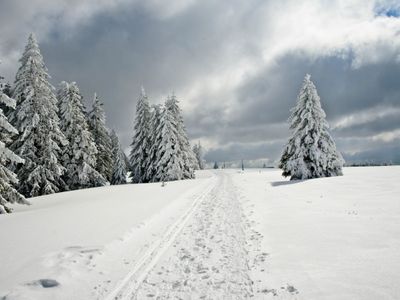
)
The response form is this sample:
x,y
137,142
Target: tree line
x,y
51,143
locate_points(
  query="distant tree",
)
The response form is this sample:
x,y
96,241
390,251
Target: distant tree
x,y
119,167
140,146
98,128
216,165
8,179
154,142
198,152
188,157
36,119
79,156
264,166
242,165
311,151
169,160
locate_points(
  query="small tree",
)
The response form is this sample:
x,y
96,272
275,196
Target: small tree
x,y
216,165
311,151
140,146
119,168
155,141
97,126
198,152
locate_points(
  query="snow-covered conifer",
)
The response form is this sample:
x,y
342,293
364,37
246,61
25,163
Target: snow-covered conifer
x,y
140,146
36,119
79,157
97,126
154,142
188,156
8,179
169,158
198,152
119,166
310,151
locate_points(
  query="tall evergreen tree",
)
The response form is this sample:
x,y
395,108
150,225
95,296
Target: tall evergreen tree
x,y
35,118
311,151
188,156
119,166
155,140
97,126
8,179
140,146
169,157
79,157
198,152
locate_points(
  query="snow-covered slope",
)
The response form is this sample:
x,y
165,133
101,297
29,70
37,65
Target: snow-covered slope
x,y
226,234
328,238
63,236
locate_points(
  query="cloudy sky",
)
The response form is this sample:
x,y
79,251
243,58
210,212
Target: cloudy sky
x,y
235,65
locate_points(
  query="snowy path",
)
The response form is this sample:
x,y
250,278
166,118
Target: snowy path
x,y
203,255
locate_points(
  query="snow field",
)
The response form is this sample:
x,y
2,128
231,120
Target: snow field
x,y
87,239
226,235
327,238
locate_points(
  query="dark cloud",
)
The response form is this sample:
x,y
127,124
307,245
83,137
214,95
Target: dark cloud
x,y
265,100
121,47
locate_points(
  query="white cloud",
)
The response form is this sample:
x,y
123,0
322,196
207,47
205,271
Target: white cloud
x,y
313,29
387,136
365,116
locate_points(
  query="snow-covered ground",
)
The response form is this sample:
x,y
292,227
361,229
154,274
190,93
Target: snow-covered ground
x,y
226,235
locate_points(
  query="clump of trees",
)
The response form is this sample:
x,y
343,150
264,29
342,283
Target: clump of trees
x,y
50,143
310,151
160,148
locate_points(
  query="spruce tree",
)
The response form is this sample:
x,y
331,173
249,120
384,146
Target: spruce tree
x,y
188,156
8,179
140,146
79,157
310,151
155,140
97,126
169,157
36,119
198,152
119,166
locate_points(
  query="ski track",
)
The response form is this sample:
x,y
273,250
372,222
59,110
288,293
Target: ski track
x,y
202,255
